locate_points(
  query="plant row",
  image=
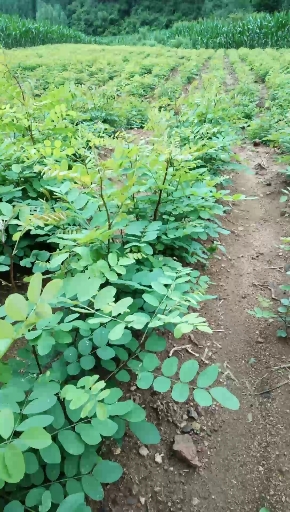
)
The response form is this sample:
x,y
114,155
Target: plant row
x,y
251,31
16,32
106,233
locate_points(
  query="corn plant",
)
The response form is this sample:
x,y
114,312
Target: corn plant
x,y
16,32
250,31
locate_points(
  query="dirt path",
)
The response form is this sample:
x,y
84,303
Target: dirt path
x,y
250,465
244,455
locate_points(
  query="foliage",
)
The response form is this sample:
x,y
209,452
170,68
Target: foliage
x,y
51,13
126,16
113,18
236,31
16,32
53,423
281,313
18,7
250,31
269,5
272,127
106,229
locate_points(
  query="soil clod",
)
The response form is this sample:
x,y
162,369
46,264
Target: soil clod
x,y
185,450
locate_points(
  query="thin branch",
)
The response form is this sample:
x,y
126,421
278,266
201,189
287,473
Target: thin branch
x,y
277,268
161,190
37,360
186,347
7,498
275,387
143,339
104,203
61,403
281,367
11,272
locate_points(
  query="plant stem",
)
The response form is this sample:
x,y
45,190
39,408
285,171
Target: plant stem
x,y
64,410
31,133
143,339
104,203
9,501
161,190
37,360
11,273
106,208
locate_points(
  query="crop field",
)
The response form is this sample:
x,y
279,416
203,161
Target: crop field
x,y
261,30
258,30
114,182
16,32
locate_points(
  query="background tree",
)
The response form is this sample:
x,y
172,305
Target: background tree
x,y
112,17
34,8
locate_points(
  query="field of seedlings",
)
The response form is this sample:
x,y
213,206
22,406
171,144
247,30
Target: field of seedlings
x,y
117,187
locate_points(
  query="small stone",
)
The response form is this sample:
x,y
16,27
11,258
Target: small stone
x,y
116,450
158,458
186,428
259,340
282,470
132,501
186,450
143,451
199,411
240,228
195,501
196,426
142,500
191,413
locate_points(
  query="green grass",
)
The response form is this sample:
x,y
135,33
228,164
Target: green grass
x,y
252,31
16,32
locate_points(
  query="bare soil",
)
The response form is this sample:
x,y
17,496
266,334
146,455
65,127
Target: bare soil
x,y
244,454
